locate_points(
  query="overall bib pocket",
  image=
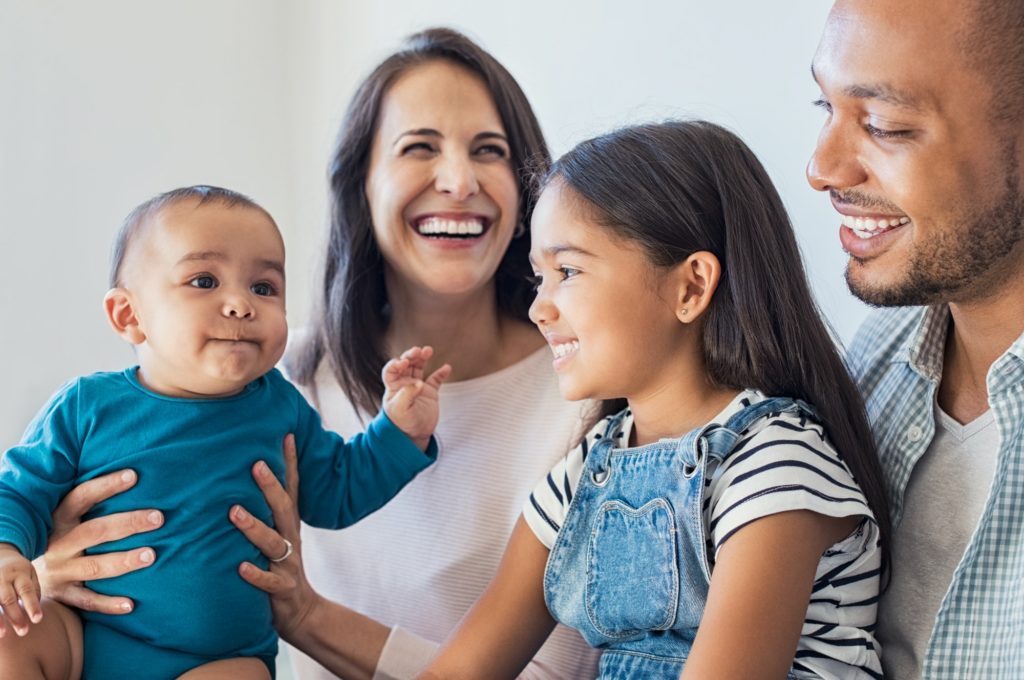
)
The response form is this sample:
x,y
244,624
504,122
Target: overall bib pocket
x,y
633,573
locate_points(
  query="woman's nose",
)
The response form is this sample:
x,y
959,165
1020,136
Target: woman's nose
x,y
456,177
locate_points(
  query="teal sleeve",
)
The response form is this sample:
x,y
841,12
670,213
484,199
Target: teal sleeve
x,y
38,472
341,482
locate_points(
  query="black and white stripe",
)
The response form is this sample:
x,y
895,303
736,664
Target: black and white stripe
x,y
783,462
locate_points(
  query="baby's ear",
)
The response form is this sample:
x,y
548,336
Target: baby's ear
x,y
120,309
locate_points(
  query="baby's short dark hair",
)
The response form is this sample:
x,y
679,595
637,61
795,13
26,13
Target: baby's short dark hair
x,y
143,213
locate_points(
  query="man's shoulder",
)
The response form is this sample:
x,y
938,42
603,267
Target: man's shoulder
x,y
884,336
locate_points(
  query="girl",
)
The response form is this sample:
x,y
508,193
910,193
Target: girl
x,y
726,519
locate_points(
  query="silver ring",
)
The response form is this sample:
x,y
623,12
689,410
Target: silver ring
x,y
287,552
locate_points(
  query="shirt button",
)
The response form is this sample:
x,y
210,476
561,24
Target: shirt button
x,y
915,433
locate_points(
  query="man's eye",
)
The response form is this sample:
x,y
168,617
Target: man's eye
x,y
204,281
263,289
823,104
885,134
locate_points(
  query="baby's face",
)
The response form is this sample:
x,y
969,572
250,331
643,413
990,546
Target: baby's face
x,y
207,287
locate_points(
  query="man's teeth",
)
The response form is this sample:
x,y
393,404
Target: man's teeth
x,y
565,348
865,227
437,225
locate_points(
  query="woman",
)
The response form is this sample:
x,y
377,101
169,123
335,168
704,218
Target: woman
x,y
431,191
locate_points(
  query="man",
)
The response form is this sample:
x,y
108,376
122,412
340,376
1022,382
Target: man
x,y
921,154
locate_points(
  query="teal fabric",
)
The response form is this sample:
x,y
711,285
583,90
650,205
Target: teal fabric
x,y
194,459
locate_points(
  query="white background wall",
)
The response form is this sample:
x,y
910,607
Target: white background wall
x,y
105,103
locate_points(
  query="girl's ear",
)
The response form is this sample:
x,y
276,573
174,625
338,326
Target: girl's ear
x,y
120,310
698,278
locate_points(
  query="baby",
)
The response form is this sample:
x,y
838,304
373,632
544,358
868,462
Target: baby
x,y
198,289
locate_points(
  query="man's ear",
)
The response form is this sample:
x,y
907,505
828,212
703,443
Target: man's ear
x,y
120,309
698,278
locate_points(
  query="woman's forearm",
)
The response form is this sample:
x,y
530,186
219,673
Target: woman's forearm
x,y
341,640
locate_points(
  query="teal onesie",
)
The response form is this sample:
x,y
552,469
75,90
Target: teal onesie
x,y
194,459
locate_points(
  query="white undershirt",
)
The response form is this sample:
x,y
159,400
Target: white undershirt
x,y
942,504
422,560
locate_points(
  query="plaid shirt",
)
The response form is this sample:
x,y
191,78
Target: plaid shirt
x,y
896,360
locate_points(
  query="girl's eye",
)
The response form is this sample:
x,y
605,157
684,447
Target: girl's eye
x,y
568,272
263,289
203,281
535,280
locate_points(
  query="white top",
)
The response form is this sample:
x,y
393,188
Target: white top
x,y
421,561
779,464
941,507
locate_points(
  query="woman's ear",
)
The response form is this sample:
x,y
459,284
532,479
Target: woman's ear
x,y
121,314
698,278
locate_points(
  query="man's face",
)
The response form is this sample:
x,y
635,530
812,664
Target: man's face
x,y
929,187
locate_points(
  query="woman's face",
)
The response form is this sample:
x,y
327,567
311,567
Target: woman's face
x,y
441,188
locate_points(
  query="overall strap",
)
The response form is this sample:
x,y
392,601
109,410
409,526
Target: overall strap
x,y
719,441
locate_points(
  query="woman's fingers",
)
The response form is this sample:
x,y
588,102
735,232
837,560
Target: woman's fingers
x,y
269,542
291,473
87,494
267,581
88,600
105,529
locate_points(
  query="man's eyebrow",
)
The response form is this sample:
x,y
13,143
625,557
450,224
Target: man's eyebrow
x,y
882,92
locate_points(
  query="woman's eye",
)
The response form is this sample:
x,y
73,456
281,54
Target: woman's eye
x,y
417,147
203,281
263,289
492,150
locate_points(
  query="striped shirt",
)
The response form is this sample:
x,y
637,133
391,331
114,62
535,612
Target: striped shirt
x,y
897,360
781,463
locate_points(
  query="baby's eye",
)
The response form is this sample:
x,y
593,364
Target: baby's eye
x,y
203,281
264,289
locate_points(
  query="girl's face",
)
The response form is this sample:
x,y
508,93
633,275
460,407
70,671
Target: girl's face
x,y
608,313
441,188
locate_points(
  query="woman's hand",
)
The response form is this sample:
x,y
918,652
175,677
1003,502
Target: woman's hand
x,y
291,596
64,566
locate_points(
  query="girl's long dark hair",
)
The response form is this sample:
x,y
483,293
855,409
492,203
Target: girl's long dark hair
x,y
350,314
686,186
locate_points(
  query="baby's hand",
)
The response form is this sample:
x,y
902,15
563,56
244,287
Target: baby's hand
x,y
409,400
19,592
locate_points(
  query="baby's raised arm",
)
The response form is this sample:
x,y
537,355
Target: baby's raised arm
x,y
410,401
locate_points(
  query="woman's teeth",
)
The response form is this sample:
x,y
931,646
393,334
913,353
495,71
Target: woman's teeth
x,y
866,227
565,348
436,226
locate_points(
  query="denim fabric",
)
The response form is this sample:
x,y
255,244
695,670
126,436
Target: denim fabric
x,y
629,568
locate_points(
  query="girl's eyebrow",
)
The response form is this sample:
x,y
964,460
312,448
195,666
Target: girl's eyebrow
x,y
560,248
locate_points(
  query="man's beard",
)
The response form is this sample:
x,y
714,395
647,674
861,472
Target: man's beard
x,y
958,259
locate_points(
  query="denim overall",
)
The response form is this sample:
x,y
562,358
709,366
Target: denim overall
x,y
629,569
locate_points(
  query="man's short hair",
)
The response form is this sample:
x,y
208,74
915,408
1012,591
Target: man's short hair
x,y
993,41
142,214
